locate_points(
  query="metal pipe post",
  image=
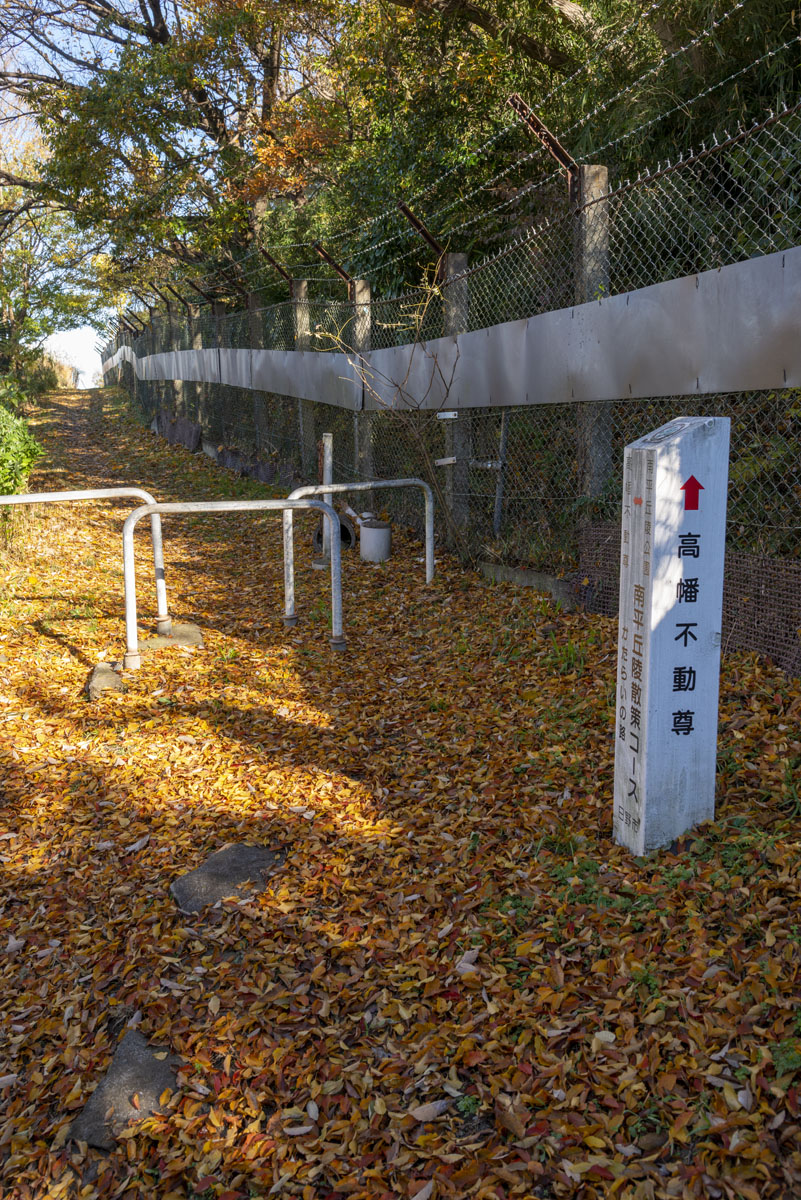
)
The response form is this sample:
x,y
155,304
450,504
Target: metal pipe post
x,y
290,617
328,478
133,659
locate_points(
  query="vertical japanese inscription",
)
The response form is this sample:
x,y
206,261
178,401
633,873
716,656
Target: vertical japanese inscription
x,y
632,676
671,583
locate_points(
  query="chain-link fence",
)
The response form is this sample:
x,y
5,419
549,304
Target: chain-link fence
x,y
518,492
718,205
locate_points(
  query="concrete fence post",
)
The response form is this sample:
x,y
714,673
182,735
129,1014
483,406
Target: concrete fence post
x,y
256,342
198,389
363,459
172,346
255,325
218,309
456,309
302,331
594,419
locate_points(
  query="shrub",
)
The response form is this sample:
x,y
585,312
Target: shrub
x,y
19,451
12,396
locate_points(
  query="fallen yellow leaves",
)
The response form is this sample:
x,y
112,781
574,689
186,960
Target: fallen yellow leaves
x,y
456,985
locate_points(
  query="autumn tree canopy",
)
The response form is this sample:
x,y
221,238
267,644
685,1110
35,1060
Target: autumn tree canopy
x,y
189,134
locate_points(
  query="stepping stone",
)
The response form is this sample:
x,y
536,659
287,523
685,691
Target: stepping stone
x,y
182,635
224,873
134,1072
103,679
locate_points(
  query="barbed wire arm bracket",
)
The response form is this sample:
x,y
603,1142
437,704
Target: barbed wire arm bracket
x,y
425,234
341,272
551,143
178,296
200,292
281,271
131,317
161,295
147,305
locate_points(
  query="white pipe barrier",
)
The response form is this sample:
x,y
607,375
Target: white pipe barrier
x,y
133,659
163,622
314,489
328,475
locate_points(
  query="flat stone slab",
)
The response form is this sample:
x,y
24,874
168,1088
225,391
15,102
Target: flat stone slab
x,y
134,1072
184,634
103,679
224,873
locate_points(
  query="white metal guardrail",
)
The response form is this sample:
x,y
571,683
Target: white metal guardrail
x,y
326,489
163,622
133,659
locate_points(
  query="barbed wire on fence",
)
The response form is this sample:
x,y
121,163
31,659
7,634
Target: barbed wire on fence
x,y
361,253
722,202
517,491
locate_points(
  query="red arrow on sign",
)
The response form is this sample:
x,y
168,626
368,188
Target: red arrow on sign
x,y
692,489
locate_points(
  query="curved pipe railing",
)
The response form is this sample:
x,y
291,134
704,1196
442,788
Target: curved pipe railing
x,y
133,659
314,489
163,622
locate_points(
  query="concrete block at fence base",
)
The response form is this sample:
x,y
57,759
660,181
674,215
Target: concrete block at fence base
x,y
232,460
103,679
183,634
560,589
183,432
265,472
135,1072
224,873
162,422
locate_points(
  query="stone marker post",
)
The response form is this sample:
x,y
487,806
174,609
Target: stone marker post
x,y
671,598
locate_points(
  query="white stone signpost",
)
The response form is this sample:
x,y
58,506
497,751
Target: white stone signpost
x,y
671,599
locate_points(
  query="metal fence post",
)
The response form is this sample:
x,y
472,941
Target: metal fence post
x,y
594,419
456,306
302,332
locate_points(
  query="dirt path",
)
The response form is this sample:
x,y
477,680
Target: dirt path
x,y
456,985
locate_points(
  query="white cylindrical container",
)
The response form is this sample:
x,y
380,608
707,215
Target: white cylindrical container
x,y
375,540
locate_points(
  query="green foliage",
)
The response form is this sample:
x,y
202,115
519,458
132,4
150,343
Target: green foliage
x,y
19,451
786,1056
11,394
48,277
181,144
468,1106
